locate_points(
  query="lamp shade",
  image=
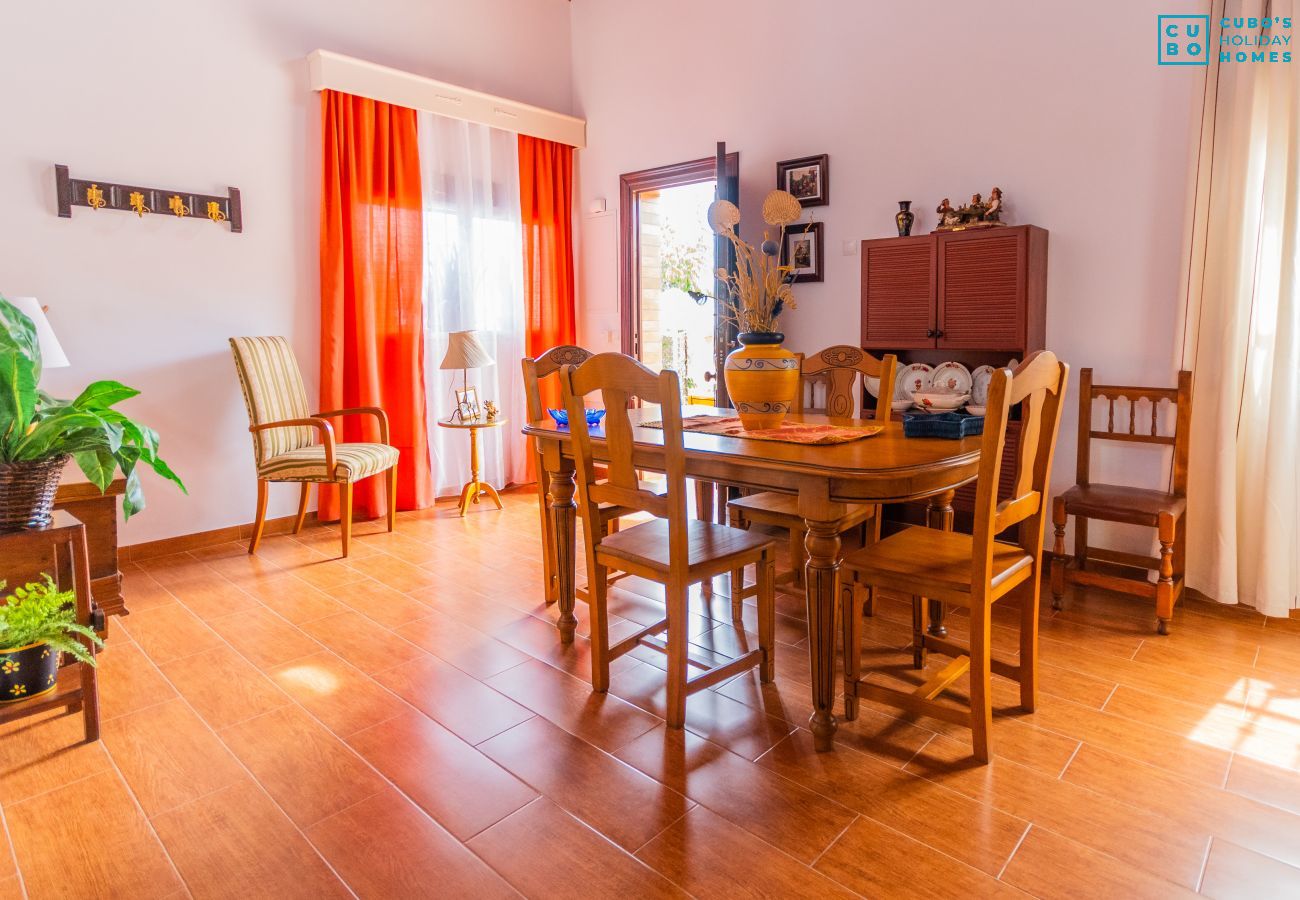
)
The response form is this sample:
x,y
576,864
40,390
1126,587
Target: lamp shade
x,y
466,351
52,355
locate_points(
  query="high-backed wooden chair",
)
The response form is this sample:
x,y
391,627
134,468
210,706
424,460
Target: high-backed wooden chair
x,y
973,570
1162,510
838,372
536,371
670,549
284,436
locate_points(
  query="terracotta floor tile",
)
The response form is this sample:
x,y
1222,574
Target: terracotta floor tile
x,y
399,575
1048,865
466,707
294,599
601,719
712,858
223,687
168,755
463,790
45,752
168,632
128,680
360,641
61,841
965,829
263,638
1235,873
11,889
304,768
341,696
615,799
466,648
877,861
546,853
781,812
210,595
1265,782
237,843
1255,826
1124,831
539,639
469,607
140,591
385,605
385,846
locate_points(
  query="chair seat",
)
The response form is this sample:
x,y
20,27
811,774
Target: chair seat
x,y
772,508
709,546
1118,503
932,563
352,462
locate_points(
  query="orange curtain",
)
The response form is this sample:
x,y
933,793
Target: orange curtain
x,y
371,267
546,204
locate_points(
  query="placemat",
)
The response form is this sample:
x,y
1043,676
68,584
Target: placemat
x,y
788,432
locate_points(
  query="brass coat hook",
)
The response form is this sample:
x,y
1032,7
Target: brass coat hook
x,y
137,204
95,197
177,205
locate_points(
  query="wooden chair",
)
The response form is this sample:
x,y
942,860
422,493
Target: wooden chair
x,y
839,371
970,570
1162,510
284,434
535,371
671,549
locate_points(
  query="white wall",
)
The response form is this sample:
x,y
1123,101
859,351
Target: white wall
x,y
1061,105
199,95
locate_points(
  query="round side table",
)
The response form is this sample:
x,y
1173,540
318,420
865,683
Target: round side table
x,y
474,488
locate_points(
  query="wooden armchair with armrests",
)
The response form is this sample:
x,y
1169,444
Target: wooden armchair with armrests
x,y
284,436
1162,510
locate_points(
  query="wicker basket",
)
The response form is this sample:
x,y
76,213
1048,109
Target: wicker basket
x,y
27,492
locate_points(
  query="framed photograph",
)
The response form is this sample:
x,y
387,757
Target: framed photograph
x,y
803,250
467,404
807,178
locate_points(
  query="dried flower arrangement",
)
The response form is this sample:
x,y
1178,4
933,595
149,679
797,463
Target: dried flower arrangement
x,y
760,287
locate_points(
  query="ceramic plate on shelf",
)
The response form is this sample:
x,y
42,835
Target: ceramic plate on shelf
x,y
952,377
873,385
911,379
979,389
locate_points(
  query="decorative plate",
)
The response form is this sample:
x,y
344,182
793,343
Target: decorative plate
x,y
911,379
873,385
952,377
979,388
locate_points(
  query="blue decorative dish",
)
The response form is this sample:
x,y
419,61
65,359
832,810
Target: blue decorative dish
x,y
561,416
942,425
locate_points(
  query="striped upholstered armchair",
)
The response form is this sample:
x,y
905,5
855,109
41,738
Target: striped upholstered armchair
x,y
285,445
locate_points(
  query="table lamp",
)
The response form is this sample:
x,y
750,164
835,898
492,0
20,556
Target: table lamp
x,y
465,351
52,355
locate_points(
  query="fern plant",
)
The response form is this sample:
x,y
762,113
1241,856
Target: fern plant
x,y
40,613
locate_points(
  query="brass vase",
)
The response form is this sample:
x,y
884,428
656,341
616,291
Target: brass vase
x,y
904,218
762,379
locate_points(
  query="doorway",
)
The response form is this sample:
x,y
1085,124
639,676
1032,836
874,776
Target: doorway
x,y
669,318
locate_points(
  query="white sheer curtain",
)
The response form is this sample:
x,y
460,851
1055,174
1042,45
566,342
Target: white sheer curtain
x,y
473,280
1242,338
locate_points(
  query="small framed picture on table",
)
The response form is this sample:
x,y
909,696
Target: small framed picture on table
x,y
808,178
803,249
467,404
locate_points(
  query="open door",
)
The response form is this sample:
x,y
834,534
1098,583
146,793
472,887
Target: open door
x,y
727,180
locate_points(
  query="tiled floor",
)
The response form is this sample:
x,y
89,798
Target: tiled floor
x,y
407,724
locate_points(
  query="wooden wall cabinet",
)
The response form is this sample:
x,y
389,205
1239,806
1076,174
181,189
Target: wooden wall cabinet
x,y
977,297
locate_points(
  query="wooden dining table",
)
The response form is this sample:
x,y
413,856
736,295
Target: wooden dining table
x,y
885,468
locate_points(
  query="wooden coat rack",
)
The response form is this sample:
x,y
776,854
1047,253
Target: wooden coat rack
x,y
96,194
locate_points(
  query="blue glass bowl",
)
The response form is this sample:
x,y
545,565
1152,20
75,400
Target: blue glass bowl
x,y
561,416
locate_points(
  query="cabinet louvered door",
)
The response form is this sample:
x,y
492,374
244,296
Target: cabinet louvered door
x,y
982,290
898,289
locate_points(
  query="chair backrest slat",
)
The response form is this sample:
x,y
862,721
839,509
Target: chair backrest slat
x,y
1038,387
841,369
620,379
273,392
1180,398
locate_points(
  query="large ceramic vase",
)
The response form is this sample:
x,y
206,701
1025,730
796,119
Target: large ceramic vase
x,y
762,379
27,672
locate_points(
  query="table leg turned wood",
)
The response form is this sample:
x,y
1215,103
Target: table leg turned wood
x,y
939,515
823,544
564,526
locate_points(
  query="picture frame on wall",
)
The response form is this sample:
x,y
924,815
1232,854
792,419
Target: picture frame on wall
x,y
807,178
803,248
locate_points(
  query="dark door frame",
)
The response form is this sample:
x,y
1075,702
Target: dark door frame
x,y
629,186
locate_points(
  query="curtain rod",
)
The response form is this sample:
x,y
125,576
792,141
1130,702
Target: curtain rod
x,y
334,71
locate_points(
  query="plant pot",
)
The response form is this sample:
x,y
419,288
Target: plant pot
x,y
27,492
762,379
27,672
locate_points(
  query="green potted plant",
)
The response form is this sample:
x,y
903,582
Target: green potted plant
x,y
39,432
37,623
